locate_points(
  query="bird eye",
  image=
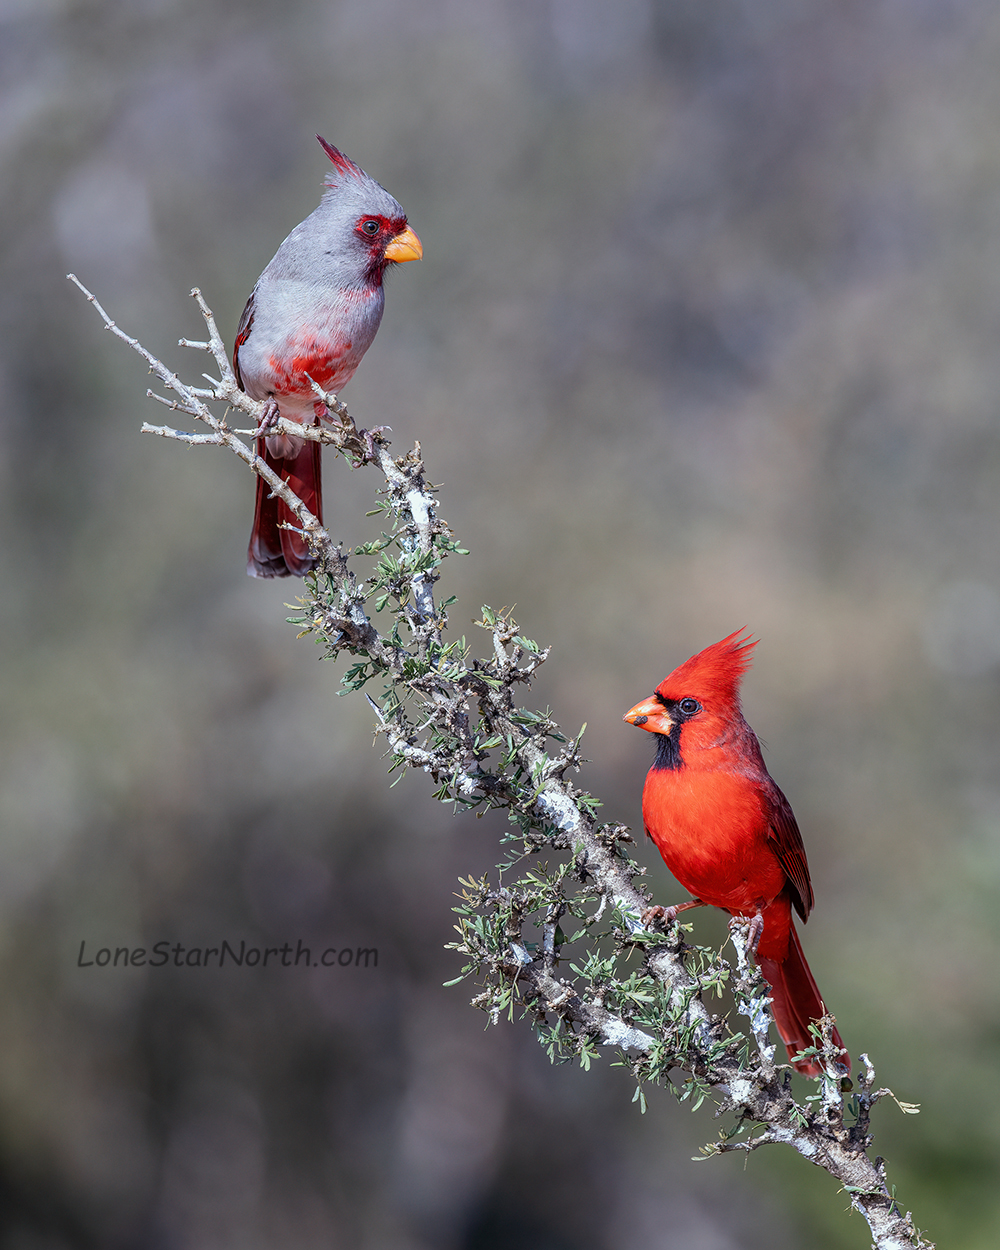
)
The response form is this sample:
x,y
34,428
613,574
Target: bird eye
x,y
689,706
370,226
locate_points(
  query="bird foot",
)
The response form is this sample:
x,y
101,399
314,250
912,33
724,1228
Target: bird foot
x,y
666,915
368,437
754,933
754,927
653,916
268,420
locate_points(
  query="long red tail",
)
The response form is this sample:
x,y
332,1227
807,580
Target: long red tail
x,y
796,1001
278,552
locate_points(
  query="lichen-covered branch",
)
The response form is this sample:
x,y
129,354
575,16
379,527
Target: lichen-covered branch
x,y
559,935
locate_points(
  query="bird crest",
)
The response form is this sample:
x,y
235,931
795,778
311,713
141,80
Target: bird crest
x,y
343,164
714,673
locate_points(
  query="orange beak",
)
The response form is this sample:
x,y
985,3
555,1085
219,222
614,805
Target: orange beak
x,y
405,246
650,715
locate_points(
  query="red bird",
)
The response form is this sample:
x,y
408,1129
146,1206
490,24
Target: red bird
x,y
725,830
313,314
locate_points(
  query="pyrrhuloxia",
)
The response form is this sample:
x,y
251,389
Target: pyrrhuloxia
x,y
313,314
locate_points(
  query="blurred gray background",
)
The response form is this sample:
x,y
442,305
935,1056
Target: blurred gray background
x,y
705,336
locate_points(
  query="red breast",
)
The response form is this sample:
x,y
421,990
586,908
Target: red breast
x,y
310,359
712,831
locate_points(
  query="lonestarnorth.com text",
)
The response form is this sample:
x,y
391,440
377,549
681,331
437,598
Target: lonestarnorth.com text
x,y
164,954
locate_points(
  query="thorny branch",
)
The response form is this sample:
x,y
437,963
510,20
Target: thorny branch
x,y
455,717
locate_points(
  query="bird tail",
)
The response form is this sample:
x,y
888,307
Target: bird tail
x,y
795,1002
276,552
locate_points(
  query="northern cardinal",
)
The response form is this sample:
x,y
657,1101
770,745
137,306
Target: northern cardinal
x,y
725,830
313,314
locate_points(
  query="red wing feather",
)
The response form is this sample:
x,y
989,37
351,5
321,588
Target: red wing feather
x,y
242,334
787,841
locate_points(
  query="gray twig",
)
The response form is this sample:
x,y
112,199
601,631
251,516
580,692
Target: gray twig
x,y
456,718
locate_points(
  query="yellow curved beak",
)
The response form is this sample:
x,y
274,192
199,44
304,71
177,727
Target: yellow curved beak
x,y
650,715
405,246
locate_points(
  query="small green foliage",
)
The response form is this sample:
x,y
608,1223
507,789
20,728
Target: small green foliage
x,y
524,918
367,549
588,803
356,676
694,1089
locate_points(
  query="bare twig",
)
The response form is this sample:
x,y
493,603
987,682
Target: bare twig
x,y
456,718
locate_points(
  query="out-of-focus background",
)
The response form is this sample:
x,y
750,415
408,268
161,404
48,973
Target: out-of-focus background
x,y
705,336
